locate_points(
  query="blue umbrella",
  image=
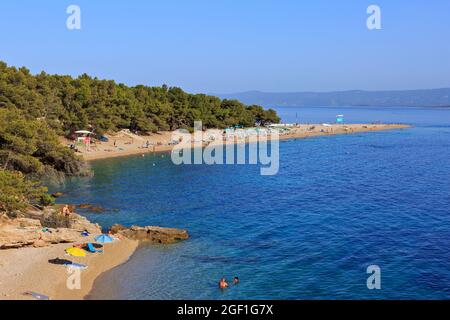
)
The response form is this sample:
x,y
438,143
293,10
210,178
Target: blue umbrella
x,y
103,238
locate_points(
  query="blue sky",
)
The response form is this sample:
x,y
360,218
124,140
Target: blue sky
x,y
224,46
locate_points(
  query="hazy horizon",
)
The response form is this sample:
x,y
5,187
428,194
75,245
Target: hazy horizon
x,y
332,91
221,47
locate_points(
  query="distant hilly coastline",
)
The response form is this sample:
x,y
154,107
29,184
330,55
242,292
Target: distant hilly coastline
x,y
401,98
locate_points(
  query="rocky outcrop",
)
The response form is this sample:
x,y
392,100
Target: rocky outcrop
x,y
14,237
26,223
40,228
91,208
81,223
51,218
151,234
57,194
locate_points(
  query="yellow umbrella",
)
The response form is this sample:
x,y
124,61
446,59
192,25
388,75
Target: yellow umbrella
x,y
76,252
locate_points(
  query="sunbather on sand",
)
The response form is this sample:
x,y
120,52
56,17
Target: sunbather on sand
x,y
66,211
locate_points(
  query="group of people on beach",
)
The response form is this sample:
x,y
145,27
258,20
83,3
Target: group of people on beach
x,y
223,284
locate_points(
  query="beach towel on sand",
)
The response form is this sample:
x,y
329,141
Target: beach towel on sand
x,y
36,295
77,266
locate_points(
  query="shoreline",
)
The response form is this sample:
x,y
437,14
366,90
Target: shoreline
x,y
34,260
28,254
127,144
19,269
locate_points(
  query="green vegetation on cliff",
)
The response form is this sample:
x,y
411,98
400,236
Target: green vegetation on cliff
x,y
31,147
16,192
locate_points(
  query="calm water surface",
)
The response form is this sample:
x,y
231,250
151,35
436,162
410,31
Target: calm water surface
x,y
338,205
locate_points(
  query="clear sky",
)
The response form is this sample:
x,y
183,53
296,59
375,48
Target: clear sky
x,y
225,46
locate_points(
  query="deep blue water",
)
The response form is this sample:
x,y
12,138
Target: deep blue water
x,y
338,205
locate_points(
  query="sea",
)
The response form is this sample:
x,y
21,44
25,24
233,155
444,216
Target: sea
x,y
338,206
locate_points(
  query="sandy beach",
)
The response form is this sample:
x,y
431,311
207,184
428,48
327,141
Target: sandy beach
x,y
28,269
125,143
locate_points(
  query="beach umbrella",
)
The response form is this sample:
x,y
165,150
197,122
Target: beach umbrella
x,y
103,238
76,252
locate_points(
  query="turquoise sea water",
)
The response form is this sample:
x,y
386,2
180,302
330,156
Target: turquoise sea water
x,y
338,205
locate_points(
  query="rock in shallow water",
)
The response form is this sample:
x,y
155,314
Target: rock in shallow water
x,y
42,228
91,208
152,234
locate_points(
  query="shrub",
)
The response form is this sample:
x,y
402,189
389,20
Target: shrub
x,y
16,192
47,200
56,220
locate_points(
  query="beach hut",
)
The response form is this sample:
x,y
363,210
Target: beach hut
x,y
83,133
84,138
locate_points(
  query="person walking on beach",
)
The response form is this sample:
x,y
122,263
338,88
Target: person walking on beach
x,y
223,284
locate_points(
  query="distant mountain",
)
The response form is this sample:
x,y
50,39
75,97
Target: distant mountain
x,y
406,98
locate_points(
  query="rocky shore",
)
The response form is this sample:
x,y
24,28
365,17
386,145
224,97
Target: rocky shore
x,y
30,240
156,235
41,228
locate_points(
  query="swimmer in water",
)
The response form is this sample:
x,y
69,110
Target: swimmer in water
x,y
223,283
236,280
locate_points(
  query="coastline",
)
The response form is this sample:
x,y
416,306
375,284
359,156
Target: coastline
x,y
127,144
28,269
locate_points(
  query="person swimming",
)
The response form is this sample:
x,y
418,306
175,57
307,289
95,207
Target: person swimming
x,y
236,280
223,283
